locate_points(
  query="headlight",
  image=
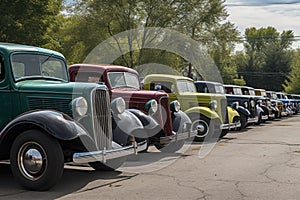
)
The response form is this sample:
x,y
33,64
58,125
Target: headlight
x,y
175,106
151,106
259,102
252,102
80,106
269,104
118,105
213,105
246,104
235,105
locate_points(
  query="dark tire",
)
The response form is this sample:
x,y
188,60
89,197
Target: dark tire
x,y
208,128
170,148
223,133
259,119
110,165
37,160
243,120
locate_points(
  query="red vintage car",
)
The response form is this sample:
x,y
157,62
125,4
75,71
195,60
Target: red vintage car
x,y
124,82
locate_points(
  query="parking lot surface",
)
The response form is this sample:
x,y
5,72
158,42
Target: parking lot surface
x,y
262,162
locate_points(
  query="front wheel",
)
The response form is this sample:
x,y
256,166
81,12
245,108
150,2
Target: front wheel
x,y
203,126
37,160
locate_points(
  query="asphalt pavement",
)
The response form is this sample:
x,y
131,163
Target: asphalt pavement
x,y
261,162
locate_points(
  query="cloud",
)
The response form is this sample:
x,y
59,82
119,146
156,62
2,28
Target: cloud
x,y
282,17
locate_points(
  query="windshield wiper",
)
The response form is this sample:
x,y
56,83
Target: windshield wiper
x,y
50,56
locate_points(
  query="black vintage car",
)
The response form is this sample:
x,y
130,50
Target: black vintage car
x,y
238,103
247,100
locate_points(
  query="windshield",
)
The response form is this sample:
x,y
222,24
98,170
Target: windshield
x,y
123,79
25,66
185,86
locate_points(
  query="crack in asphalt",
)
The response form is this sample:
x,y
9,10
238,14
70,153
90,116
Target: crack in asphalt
x,y
204,195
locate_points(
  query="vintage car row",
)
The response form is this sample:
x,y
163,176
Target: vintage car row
x,y
47,121
208,113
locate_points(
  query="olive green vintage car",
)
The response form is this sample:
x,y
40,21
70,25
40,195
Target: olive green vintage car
x,y
209,113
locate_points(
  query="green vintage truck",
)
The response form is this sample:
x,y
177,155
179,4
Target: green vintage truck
x,y
209,113
47,121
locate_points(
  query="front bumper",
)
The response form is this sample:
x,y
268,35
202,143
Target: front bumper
x,y
252,120
177,136
103,155
230,126
265,117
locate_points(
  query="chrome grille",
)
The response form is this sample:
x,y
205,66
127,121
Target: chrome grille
x,y
224,110
164,101
102,119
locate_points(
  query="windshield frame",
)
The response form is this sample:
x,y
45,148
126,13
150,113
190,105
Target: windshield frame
x,y
47,57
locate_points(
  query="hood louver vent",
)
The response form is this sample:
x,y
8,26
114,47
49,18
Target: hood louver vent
x,y
61,105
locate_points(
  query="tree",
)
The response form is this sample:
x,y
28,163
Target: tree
x,y
292,85
268,57
27,21
202,20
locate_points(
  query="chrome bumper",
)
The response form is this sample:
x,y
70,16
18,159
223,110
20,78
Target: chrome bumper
x,y
252,120
230,126
103,155
176,137
272,116
264,117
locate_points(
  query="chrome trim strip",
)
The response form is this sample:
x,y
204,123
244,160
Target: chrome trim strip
x,y
104,155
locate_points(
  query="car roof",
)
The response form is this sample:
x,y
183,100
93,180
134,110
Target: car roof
x,y
11,47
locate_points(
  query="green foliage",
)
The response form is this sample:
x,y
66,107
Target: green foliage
x,y
27,21
267,57
292,85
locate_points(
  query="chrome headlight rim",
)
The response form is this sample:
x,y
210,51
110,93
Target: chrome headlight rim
x,y
213,105
246,104
151,106
80,106
252,103
118,105
175,106
235,105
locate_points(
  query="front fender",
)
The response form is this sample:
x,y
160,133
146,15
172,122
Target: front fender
x,y
259,110
243,111
150,125
232,113
126,124
265,109
57,124
180,122
207,112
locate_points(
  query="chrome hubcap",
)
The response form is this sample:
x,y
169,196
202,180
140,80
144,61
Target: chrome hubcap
x,y
32,160
201,127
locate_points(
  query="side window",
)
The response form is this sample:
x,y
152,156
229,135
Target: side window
x,y
88,77
168,87
18,69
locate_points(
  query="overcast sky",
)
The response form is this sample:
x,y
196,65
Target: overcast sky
x,y
283,15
